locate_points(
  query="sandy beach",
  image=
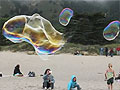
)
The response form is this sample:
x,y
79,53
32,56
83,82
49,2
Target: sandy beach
x,y
89,71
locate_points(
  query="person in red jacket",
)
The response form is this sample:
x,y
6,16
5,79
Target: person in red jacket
x,y
118,50
111,52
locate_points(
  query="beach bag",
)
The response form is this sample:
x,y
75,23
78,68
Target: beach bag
x,y
31,74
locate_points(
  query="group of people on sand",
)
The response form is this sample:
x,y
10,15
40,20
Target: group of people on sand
x,y
48,78
104,51
107,51
49,81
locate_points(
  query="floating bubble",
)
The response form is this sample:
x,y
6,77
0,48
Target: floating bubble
x,y
65,16
35,30
112,30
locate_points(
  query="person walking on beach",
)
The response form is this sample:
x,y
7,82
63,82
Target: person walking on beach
x,y
109,76
111,52
73,84
101,51
118,50
106,51
17,71
48,80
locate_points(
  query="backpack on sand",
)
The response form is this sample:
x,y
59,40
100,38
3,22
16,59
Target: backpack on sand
x,y
31,74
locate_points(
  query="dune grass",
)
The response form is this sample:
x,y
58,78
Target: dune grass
x,y
67,48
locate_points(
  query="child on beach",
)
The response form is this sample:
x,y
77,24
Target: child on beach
x,y
48,80
73,84
109,76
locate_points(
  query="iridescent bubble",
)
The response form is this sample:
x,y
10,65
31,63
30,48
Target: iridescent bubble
x,y
35,30
65,16
112,30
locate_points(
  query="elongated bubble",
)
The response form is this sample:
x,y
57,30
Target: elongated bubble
x,y
65,16
35,30
112,30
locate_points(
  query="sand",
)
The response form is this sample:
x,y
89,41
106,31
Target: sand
x,y
89,71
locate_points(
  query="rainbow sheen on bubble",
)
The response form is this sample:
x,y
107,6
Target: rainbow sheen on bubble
x,y
65,16
112,30
35,30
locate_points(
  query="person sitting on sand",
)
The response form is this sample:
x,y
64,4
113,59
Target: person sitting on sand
x,y
48,80
77,53
109,76
17,71
44,75
73,84
118,78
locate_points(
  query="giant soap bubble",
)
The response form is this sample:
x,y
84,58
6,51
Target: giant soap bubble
x,y
35,30
65,16
112,30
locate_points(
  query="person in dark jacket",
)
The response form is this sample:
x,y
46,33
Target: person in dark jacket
x,y
17,71
48,79
106,51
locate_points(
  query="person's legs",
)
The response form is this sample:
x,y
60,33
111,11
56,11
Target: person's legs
x,y
111,54
43,85
78,87
102,52
46,85
118,52
108,87
52,85
110,83
106,53
111,87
